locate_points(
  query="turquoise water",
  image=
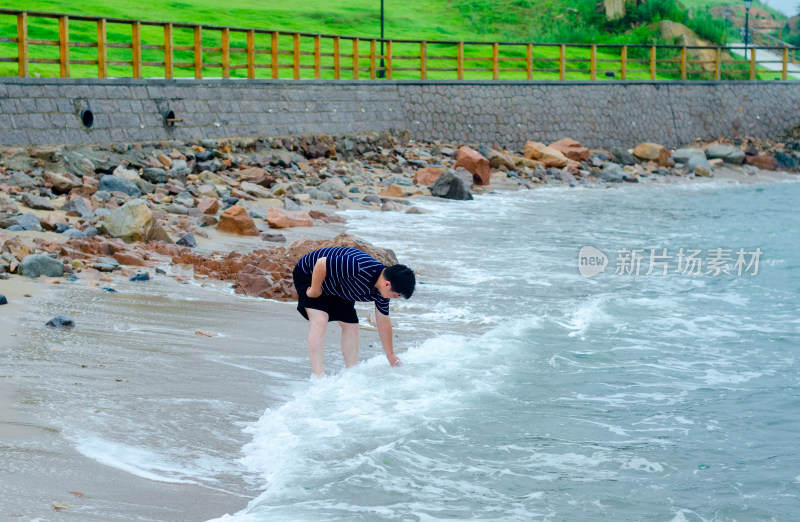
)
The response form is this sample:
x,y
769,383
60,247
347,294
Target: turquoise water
x,y
531,392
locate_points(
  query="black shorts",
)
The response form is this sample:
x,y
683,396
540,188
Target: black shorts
x,y
338,309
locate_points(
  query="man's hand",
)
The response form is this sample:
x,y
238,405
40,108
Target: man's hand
x,y
317,277
394,361
313,292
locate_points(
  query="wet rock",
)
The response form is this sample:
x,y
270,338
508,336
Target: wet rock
x,y
60,321
235,220
140,277
613,173
119,184
36,265
37,202
280,218
785,161
134,221
475,162
450,186
3,299
726,153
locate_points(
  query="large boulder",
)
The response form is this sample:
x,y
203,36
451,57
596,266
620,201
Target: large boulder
x,y
548,156
499,160
427,176
785,161
281,218
726,153
622,156
450,186
119,184
134,221
476,163
762,161
652,152
571,149
236,220
613,173
36,265
683,155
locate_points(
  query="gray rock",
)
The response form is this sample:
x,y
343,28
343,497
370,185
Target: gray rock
x,y
613,173
7,205
37,202
333,186
567,176
785,161
3,299
28,222
372,198
36,265
290,204
726,153
175,208
77,207
21,180
699,161
209,144
210,165
102,212
154,175
622,156
118,184
74,233
450,186
90,231
102,195
321,195
187,240
274,237
466,176
683,155
60,321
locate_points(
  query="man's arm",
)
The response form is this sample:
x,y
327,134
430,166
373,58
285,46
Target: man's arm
x,y
385,333
317,277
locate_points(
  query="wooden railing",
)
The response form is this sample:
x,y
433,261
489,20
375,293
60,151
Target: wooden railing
x,y
790,53
84,46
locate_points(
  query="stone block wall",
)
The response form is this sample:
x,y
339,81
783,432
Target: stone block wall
x,y
46,111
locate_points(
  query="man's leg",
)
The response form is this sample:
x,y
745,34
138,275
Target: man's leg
x,y
349,343
316,338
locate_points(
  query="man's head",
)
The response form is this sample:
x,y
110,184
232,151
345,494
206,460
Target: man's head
x,y
402,281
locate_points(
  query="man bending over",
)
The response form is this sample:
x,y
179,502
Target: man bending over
x,y
330,280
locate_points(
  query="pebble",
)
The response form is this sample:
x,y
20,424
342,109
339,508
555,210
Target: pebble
x,y
60,321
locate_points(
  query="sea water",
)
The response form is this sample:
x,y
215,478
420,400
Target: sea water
x,y
664,387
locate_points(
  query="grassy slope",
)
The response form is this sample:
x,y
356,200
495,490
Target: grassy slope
x,y
483,20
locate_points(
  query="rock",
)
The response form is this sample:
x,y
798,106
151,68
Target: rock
x,y
77,207
187,240
498,160
427,176
37,202
392,206
140,277
157,176
705,171
274,237
392,191
16,248
613,173
726,153
60,321
255,190
7,206
785,161
175,208
466,176
280,218
290,204
208,221
208,206
325,217
27,222
236,220
129,258
36,265
450,186
21,180
652,152
699,161
119,184
3,299
683,155
51,220
134,221
622,156
475,163
548,156
571,149
762,161
61,184
333,185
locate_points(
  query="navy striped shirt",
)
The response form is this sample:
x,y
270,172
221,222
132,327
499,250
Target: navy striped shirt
x,y
351,274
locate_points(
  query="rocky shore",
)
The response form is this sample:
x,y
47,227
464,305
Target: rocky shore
x,y
95,213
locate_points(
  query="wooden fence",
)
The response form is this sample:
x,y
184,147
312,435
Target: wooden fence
x,y
134,48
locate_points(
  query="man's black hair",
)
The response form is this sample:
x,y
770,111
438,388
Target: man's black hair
x,y
401,278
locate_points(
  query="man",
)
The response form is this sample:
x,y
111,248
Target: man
x,y
329,281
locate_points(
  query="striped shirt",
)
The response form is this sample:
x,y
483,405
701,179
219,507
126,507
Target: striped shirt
x,y
351,274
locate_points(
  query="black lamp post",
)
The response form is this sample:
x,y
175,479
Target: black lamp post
x,y
382,72
747,4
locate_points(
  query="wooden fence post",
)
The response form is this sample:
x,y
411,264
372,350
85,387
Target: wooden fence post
x,y
251,54
495,61
460,60
226,53
296,55
562,56
169,71
529,61
653,63
101,48
752,64
336,70
593,64
717,65
389,60
198,51
372,59
63,45
623,59
785,60
355,58
317,55
136,48
423,61
683,63
274,51
22,44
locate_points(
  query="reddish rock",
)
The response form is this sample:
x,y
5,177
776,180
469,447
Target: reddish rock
x,y
427,176
241,194
326,218
392,191
548,156
235,220
762,161
475,163
130,258
208,206
652,152
571,149
280,218
51,220
60,183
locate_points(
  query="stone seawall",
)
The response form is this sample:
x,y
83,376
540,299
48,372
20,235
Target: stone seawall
x,y
49,111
